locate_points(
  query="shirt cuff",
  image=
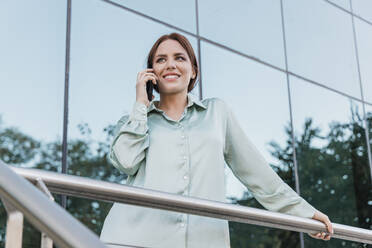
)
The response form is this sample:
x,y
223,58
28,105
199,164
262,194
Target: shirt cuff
x,y
139,112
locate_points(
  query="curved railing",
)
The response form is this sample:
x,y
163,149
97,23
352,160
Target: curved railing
x,y
112,192
20,195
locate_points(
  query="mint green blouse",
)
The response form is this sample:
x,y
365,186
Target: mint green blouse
x,y
187,157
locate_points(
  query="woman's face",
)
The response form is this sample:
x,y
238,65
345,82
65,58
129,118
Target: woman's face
x,y
173,67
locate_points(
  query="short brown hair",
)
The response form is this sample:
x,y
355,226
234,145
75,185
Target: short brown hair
x,y
184,42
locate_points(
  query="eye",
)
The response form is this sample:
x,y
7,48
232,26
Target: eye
x,y
182,58
159,60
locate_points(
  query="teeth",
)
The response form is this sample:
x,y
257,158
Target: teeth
x,y
171,76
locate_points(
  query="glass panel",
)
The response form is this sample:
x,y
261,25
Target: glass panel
x,y
320,44
32,65
181,15
104,70
256,93
105,64
258,97
342,3
364,39
363,8
332,156
242,25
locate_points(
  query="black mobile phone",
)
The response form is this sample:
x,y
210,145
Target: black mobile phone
x,y
149,89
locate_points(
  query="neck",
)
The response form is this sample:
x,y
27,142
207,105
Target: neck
x,y
173,102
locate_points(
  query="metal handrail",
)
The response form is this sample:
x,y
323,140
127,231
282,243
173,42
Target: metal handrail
x,y
113,192
43,213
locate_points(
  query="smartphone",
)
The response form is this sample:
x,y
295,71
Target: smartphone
x,y
149,89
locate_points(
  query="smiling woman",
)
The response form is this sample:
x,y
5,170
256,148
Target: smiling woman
x,y
180,145
176,50
173,68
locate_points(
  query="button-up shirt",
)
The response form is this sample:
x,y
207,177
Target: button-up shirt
x,y
187,157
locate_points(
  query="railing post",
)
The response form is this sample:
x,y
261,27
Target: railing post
x,y
14,226
46,242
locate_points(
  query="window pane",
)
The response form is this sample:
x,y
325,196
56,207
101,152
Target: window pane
x,y
332,156
258,97
32,69
320,44
181,14
342,3
104,69
363,8
364,39
32,66
106,62
242,25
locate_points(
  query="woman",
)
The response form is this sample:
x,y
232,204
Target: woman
x,y
179,145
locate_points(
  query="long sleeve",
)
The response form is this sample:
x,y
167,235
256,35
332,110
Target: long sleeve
x,y
127,151
249,166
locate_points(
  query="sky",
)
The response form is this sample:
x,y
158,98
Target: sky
x,y
109,47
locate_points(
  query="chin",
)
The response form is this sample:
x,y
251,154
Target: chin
x,y
171,89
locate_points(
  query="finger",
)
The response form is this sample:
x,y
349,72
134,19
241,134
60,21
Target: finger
x,y
152,78
311,235
145,71
326,236
314,236
329,226
150,74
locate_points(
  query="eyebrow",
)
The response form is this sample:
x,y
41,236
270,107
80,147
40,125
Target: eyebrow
x,y
164,55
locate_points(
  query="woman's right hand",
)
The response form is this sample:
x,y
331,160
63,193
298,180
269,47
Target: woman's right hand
x,y
142,78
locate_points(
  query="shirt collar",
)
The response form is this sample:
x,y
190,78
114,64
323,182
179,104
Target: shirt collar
x,y
191,100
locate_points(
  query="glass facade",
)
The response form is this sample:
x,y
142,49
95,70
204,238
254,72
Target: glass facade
x,y
296,74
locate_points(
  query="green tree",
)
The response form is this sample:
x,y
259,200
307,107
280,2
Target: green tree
x,y
334,178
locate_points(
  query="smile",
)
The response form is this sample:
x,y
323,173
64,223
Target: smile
x,y
171,77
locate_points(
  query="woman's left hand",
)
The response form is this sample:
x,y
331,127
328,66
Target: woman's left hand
x,y
323,218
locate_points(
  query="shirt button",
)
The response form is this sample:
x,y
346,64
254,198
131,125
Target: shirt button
x,y
182,224
185,177
183,136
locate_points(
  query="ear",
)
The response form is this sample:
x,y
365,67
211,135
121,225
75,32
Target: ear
x,y
193,75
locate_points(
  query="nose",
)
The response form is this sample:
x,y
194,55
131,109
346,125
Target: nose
x,y
171,64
